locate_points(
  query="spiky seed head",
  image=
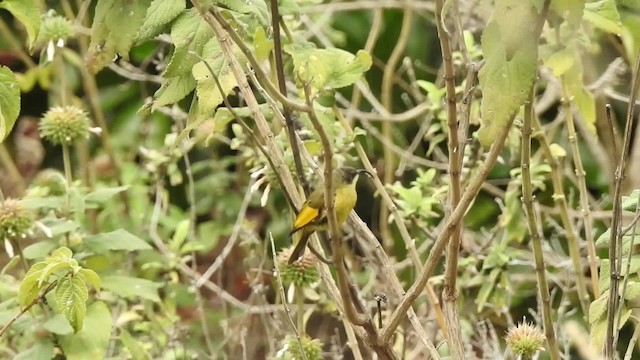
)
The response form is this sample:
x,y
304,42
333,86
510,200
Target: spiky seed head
x,y
525,339
291,350
15,220
55,28
66,125
301,272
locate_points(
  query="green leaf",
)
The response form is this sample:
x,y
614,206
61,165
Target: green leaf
x,y
630,202
132,288
180,235
209,96
561,61
9,101
604,15
598,333
570,10
327,68
136,350
27,12
510,50
115,240
173,90
598,308
62,254
633,291
255,7
71,296
39,249
92,341
115,25
159,14
262,44
90,277
605,270
42,350
29,289
58,325
100,196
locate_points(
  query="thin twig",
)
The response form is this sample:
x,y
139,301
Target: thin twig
x,y
536,241
610,345
387,103
283,295
34,302
291,132
443,238
454,336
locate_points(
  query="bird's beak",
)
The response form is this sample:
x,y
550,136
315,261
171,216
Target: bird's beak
x,y
363,171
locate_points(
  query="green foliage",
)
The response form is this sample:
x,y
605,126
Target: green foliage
x,y
327,68
159,14
62,274
27,12
112,250
9,101
509,49
127,17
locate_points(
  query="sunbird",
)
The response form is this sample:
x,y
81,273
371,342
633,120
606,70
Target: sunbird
x,y
313,216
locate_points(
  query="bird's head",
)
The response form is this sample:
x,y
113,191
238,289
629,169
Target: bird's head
x,y
347,175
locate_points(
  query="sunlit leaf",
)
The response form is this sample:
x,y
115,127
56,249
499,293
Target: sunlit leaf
x,y
125,16
9,101
27,12
71,295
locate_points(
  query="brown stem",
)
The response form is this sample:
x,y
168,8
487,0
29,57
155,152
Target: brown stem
x,y
616,235
282,85
536,241
443,238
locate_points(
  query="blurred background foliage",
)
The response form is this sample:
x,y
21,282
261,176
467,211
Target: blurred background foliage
x,y
233,193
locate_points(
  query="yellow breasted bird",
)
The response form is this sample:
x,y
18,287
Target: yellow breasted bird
x,y
313,216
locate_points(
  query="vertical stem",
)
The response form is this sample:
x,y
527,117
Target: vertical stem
x,y
66,158
536,241
300,310
582,186
450,309
561,201
387,98
616,235
282,86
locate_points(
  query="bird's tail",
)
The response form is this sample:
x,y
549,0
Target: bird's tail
x,y
300,247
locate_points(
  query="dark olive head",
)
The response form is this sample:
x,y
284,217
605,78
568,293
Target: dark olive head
x,y
347,174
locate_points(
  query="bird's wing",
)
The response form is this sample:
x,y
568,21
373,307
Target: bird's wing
x,y
306,216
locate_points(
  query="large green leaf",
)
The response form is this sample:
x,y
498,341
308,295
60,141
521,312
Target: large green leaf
x,y
9,101
115,240
159,14
328,68
27,12
130,287
189,33
510,50
115,25
603,14
71,297
92,341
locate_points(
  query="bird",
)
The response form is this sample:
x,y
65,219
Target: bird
x,y
313,216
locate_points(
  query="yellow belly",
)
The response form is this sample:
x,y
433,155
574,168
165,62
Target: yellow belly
x,y
346,198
